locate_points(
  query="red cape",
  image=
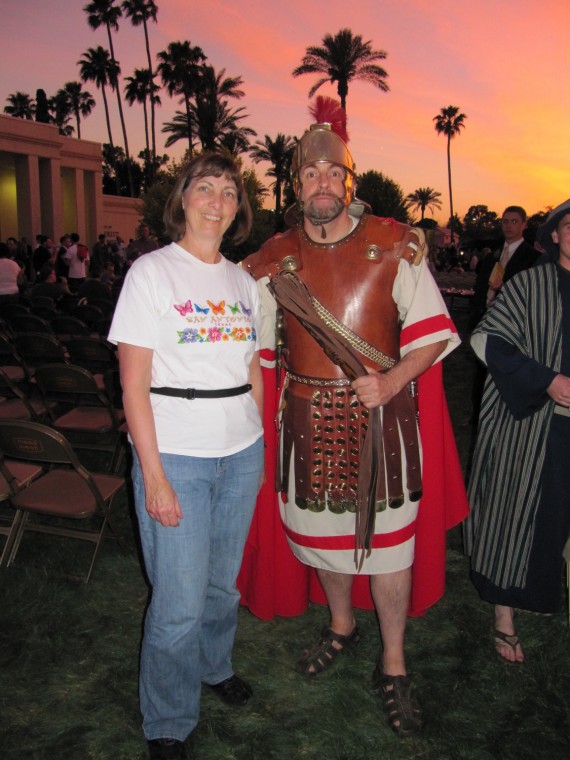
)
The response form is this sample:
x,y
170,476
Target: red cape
x,y
273,582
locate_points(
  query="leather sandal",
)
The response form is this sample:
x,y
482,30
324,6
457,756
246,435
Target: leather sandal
x,y
324,653
509,640
399,702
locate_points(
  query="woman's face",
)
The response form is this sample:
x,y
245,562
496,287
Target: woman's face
x,y
210,205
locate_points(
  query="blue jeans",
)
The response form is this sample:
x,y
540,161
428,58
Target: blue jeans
x,y
191,620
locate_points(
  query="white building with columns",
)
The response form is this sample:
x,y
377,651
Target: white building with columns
x,y
51,184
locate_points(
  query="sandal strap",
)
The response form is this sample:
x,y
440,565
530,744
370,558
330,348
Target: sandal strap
x,y
322,655
400,705
510,640
327,634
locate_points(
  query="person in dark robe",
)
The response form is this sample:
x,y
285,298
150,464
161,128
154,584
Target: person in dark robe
x,y
519,488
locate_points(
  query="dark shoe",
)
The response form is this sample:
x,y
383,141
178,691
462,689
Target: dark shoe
x,y
233,691
399,702
166,749
324,653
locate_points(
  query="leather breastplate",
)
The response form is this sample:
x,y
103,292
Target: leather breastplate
x,y
353,279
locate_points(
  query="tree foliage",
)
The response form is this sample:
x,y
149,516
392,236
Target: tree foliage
x,y
481,224
21,105
179,69
385,196
278,153
341,59
449,122
141,12
422,198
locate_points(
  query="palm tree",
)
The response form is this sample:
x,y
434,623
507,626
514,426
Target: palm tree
x,y
141,12
141,88
96,66
341,59
21,105
178,129
80,101
106,13
449,122
211,111
236,141
422,198
61,110
278,153
179,69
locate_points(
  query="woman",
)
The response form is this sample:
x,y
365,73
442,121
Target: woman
x,y
11,277
186,326
520,481
47,285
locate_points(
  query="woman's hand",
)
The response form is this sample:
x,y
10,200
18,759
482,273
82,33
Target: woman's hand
x,y
136,369
162,503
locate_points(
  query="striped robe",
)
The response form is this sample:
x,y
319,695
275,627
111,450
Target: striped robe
x,y
505,483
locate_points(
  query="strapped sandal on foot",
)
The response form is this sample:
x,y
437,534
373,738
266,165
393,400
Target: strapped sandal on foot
x,y
507,640
399,702
323,654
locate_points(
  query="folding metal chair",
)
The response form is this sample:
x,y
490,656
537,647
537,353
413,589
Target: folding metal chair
x,y
68,490
93,354
88,314
37,348
9,310
20,405
42,301
65,326
85,414
45,312
14,476
30,323
11,361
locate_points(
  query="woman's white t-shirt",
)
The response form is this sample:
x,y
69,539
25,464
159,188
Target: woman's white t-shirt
x,y
202,323
9,271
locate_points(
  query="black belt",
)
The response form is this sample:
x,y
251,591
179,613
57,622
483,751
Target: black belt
x,y
192,393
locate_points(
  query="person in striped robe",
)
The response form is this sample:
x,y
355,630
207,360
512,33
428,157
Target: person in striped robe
x,y
519,489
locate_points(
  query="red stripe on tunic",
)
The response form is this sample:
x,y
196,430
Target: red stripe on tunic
x,y
379,541
426,327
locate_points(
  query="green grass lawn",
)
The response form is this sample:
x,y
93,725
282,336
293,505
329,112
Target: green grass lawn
x,y
69,659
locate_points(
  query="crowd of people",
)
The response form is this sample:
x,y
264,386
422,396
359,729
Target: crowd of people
x,y
59,269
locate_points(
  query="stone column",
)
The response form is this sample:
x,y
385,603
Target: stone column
x,y
28,193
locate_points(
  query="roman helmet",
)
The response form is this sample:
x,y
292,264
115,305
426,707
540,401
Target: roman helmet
x,y
324,141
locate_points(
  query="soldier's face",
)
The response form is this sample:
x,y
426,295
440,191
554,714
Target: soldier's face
x,y
322,191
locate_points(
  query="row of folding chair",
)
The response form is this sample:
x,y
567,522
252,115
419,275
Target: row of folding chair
x,y
83,320
37,304
42,478
30,350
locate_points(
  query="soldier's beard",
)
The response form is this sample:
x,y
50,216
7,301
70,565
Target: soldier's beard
x,y
319,215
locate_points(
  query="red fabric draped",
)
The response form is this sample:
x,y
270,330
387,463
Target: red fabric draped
x,y
273,582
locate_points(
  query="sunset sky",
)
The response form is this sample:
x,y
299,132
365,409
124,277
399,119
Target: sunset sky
x,y
505,63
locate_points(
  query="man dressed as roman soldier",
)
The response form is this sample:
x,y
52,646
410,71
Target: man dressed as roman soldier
x,y
362,328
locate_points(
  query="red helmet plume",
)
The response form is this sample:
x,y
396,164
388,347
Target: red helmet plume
x,y
325,110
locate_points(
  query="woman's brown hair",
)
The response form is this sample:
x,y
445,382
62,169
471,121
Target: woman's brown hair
x,y
207,165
